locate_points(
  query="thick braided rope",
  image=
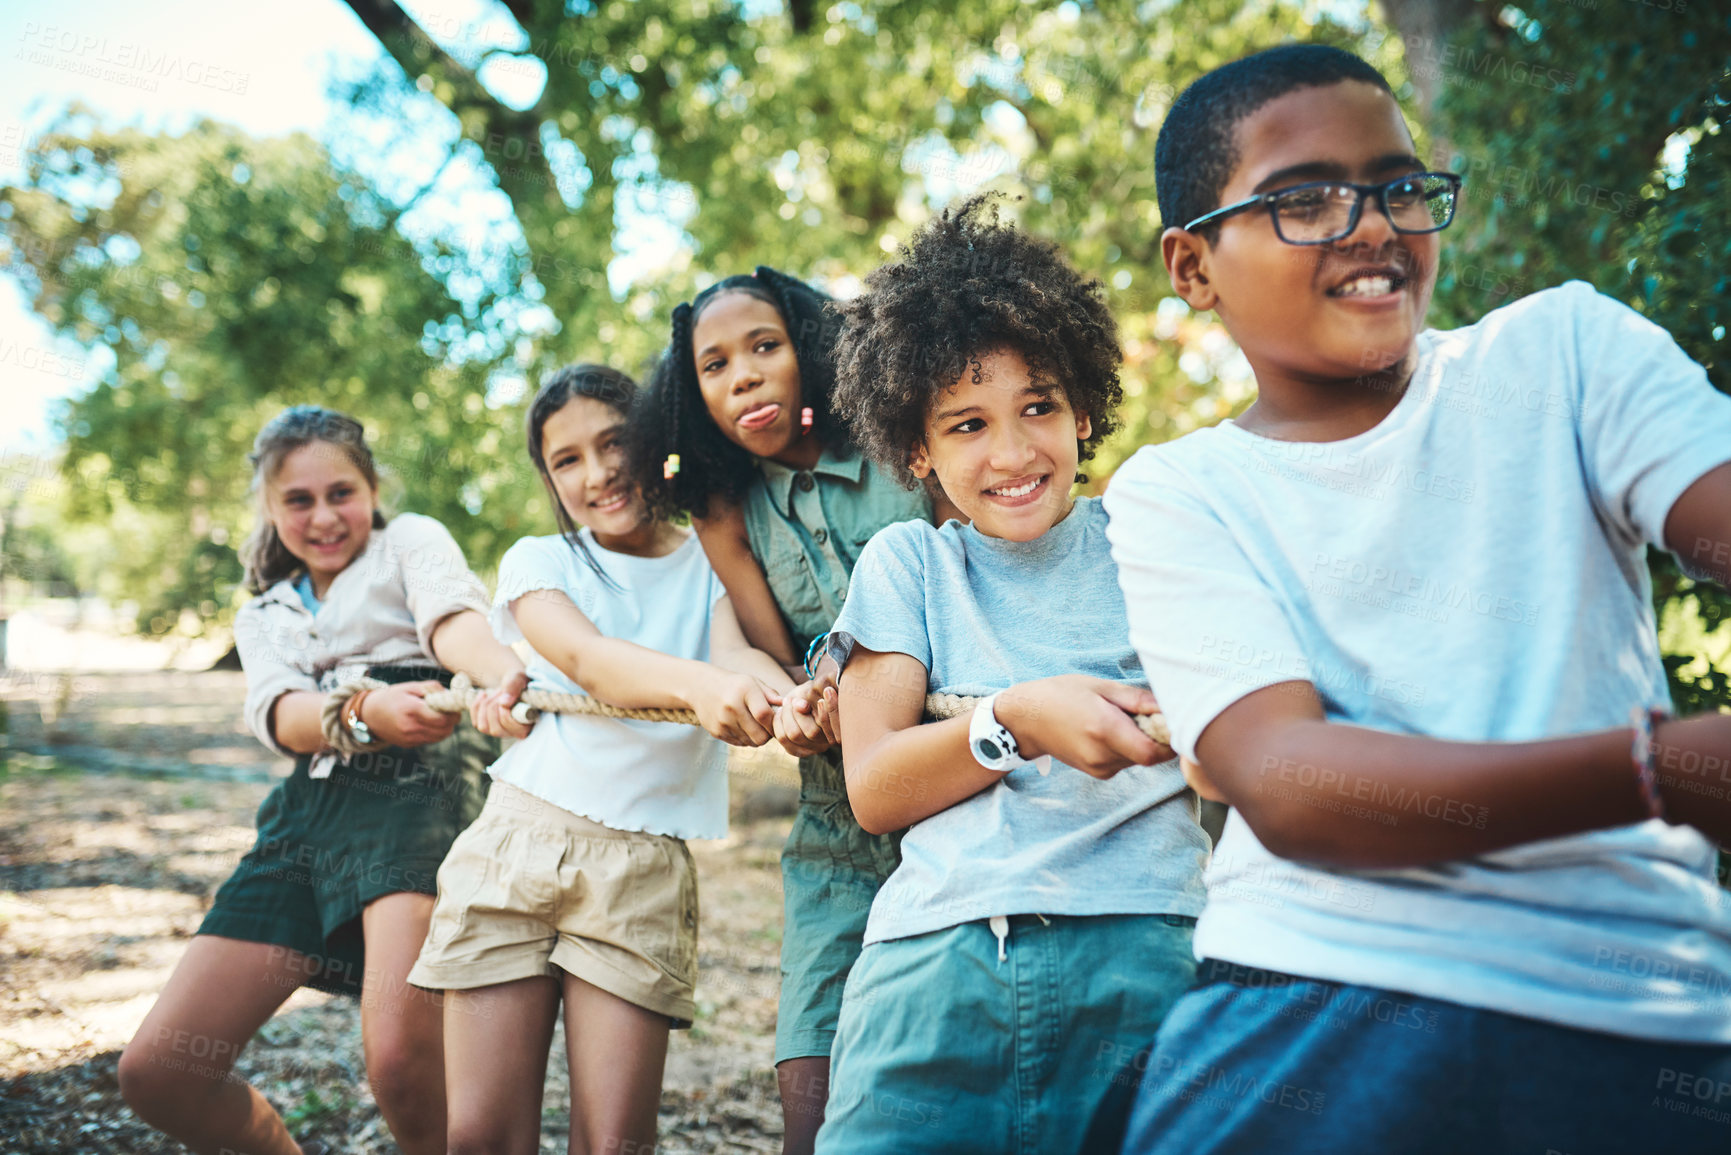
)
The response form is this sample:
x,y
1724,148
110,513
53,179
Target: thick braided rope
x,y
463,692
938,706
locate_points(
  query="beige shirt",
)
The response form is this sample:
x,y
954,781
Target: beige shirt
x,y
381,610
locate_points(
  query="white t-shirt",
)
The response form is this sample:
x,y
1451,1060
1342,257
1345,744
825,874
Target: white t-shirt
x,y
656,777
1472,568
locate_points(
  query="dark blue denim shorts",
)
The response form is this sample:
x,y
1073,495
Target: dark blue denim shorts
x,y
1255,1061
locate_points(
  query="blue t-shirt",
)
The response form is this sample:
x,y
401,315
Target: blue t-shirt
x,y
983,614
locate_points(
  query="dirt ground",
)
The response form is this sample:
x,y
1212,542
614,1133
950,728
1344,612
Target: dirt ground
x,y
126,799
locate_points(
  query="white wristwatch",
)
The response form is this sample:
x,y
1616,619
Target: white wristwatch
x,y
993,745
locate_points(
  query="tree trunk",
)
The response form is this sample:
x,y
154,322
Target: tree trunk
x,y
1424,27
523,172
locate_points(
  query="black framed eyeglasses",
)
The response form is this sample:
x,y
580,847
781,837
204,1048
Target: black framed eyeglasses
x,y
1322,211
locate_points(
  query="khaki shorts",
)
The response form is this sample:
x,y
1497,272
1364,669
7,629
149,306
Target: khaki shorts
x,y
531,889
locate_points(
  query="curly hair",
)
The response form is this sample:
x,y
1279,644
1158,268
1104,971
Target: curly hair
x,y
966,286
674,418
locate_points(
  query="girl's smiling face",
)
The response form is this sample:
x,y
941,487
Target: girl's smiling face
x,y
748,372
583,451
1004,447
322,508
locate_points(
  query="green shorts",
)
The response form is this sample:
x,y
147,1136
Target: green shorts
x,y
830,872
380,824
947,1048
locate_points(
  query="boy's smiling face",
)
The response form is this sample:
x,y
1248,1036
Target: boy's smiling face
x,y
1314,313
1004,447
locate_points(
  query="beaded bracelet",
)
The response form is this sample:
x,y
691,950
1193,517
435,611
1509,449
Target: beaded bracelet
x,y
811,651
1641,753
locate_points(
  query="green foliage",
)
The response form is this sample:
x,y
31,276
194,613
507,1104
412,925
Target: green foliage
x,y
819,149
227,277
1593,137
31,551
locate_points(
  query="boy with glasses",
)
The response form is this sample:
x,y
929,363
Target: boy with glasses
x,y
1398,615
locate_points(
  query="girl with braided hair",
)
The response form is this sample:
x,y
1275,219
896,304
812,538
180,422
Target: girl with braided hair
x,y
740,435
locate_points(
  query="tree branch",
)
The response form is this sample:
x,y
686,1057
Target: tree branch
x,y
1424,26
391,221
528,182
523,11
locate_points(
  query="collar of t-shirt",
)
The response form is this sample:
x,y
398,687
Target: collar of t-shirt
x,y
848,465
1047,548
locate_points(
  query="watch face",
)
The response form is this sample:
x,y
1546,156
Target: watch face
x,y
989,750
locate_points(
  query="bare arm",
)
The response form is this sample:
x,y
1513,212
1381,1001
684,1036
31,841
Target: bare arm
x,y
902,771
1350,797
464,641
729,551
294,721
731,705
1698,528
729,650
397,715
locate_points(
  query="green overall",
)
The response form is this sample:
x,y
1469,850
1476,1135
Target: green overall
x,y
807,528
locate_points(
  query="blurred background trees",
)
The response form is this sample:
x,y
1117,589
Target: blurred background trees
x,y
505,196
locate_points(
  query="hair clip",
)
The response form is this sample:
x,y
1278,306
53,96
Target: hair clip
x,y
805,419
670,466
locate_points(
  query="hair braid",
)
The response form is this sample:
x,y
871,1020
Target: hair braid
x,y
711,464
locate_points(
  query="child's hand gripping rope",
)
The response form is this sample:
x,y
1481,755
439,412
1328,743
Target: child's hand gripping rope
x,y
501,712
1098,726
737,708
809,719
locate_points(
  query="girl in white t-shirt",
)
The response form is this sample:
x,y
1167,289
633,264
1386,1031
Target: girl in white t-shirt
x,y
575,883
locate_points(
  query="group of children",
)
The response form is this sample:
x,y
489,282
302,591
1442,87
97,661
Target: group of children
x,y
1465,899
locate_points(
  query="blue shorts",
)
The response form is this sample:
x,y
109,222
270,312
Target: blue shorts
x,y
1255,1061
944,1048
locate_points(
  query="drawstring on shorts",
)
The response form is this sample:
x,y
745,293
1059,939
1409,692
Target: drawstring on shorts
x,y
1000,925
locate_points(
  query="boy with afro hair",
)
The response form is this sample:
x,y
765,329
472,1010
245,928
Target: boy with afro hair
x,y
1039,923
1399,616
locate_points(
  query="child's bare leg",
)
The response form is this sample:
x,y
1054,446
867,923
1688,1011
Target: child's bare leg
x,y
176,1071
804,1087
402,1027
618,1054
496,1041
